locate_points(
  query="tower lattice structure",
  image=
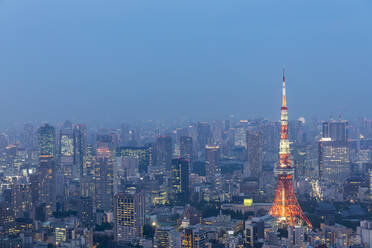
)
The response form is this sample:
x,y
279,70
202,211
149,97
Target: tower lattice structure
x,y
285,206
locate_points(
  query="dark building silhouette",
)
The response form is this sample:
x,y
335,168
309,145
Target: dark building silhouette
x,y
186,148
180,181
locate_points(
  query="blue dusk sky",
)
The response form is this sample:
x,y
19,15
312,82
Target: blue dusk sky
x,y
114,60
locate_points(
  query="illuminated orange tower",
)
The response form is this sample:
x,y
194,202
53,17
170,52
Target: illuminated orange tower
x,y
285,206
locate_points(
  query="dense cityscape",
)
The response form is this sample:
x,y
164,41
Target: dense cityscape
x,y
224,183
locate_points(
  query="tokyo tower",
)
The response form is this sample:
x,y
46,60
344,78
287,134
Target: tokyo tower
x,y
285,206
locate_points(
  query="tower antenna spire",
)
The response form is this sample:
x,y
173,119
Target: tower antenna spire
x,y
284,100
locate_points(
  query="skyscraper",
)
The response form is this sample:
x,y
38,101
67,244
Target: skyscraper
x,y
47,180
334,152
212,156
204,134
28,136
180,181
129,216
186,150
254,152
103,175
334,161
240,136
285,206
79,137
335,130
47,140
164,152
66,150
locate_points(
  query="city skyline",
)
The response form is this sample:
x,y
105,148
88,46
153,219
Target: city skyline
x,y
164,124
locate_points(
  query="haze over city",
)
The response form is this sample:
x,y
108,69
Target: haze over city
x,y
104,62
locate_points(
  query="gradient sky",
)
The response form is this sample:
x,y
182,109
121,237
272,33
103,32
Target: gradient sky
x,y
114,60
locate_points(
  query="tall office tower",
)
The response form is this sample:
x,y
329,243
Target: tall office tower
x,y
240,136
79,135
66,150
334,161
88,165
212,156
124,134
47,180
186,150
204,134
180,181
254,153
129,217
47,140
28,136
178,134
285,206
335,130
164,152
103,175
194,238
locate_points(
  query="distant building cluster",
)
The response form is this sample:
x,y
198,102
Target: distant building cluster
x,y
184,185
